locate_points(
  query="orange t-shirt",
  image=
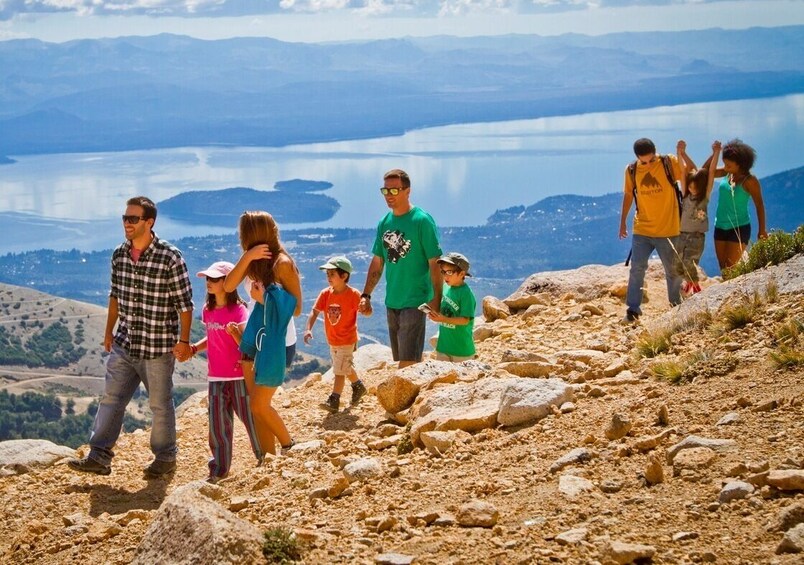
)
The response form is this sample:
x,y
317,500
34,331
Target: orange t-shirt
x,y
340,314
657,206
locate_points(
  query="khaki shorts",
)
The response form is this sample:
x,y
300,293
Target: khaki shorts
x,y
454,358
343,362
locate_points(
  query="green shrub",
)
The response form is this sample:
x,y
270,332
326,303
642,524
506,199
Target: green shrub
x,y
777,248
652,344
787,358
671,371
281,546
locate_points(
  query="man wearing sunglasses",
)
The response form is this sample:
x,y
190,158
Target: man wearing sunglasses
x,y
407,248
151,302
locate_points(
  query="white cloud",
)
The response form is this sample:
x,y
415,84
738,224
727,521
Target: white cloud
x,y
219,8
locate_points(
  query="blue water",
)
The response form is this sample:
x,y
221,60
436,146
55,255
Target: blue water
x,y
460,173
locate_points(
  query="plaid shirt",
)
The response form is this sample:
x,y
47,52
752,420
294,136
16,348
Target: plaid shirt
x,y
150,294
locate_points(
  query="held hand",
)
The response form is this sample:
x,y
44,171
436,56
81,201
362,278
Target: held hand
x,y
364,306
436,317
308,335
182,351
681,146
261,251
232,329
716,146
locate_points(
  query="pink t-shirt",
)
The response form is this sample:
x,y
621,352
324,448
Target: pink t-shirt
x,y
223,353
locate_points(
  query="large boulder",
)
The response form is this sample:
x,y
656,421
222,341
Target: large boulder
x,y
524,401
20,455
400,390
190,527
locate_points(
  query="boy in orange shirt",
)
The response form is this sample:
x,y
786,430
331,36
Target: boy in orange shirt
x,y
339,302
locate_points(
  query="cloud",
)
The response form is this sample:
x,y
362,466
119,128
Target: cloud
x,y
214,8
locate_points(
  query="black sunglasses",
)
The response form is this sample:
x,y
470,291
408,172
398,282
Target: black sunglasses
x,y
215,279
134,220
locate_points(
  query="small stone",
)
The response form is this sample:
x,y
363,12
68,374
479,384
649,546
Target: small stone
x,y
477,513
735,490
619,427
793,541
788,479
729,419
654,472
624,553
611,486
393,559
663,417
571,537
683,536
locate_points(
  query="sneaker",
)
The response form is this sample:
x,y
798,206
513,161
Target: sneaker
x,y
696,288
332,404
286,448
89,465
686,288
214,479
358,391
630,317
159,468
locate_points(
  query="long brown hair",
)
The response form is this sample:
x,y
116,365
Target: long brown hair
x,y
257,228
700,178
232,298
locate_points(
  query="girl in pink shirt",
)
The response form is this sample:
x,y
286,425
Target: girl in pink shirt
x,y
225,317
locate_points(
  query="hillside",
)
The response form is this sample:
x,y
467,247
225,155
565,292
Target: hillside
x,y
560,444
53,345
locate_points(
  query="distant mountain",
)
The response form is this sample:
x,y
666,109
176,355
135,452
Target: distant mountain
x,y
169,91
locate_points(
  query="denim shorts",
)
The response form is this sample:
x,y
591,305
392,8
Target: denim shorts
x,y
740,234
406,333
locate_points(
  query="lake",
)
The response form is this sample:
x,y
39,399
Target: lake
x,y
461,173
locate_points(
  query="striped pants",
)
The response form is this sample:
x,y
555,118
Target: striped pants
x,y
225,399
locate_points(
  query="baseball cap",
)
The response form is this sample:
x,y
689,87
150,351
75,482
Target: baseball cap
x,y
217,270
458,260
338,262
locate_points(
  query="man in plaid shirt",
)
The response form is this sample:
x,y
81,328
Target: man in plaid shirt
x,y
151,302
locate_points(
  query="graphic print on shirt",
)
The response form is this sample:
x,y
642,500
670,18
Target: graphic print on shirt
x,y
334,314
650,182
396,245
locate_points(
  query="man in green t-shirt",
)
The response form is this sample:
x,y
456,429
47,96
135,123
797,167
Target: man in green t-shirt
x,y
407,247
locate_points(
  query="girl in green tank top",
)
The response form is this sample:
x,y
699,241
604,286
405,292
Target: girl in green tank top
x,y
732,221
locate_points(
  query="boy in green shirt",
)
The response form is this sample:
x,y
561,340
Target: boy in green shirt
x,y
457,313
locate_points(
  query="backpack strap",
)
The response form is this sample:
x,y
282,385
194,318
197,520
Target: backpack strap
x,y
632,173
668,171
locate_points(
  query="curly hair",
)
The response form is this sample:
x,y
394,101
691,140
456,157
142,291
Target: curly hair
x,y
740,153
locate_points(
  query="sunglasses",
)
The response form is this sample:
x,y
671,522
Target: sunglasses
x,y
215,279
392,191
133,220
448,272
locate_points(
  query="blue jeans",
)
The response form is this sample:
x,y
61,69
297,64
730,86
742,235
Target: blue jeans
x,y
123,376
641,249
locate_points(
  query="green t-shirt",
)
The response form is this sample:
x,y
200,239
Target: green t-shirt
x,y
407,243
457,302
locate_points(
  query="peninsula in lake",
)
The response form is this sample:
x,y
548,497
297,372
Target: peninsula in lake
x,y
293,201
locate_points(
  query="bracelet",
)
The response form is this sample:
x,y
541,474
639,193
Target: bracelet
x,y
194,349
366,295
184,341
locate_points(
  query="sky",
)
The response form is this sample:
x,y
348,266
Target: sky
x,y
343,20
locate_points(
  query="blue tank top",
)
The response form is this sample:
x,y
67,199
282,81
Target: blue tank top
x,y
732,205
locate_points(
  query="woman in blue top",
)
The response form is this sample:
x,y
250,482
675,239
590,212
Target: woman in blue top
x,y
732,221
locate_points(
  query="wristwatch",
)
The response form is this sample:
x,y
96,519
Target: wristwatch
x,y
366,295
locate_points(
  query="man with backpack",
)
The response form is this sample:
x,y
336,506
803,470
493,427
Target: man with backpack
x,y
651,184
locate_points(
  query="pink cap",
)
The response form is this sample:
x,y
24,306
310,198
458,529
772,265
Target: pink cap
x,y
217,270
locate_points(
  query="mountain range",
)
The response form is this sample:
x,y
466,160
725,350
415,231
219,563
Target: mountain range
x,y
170,91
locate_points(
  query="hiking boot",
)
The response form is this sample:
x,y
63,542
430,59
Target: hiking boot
x,y
332,404
89,465
631,317
358,391
159,468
